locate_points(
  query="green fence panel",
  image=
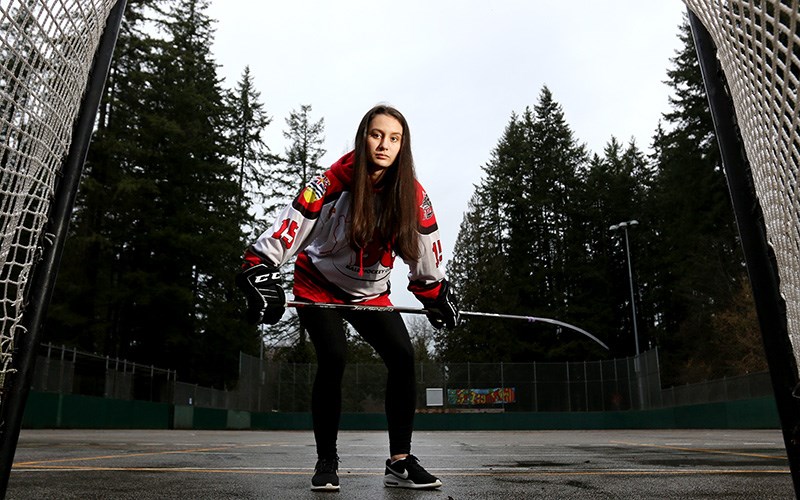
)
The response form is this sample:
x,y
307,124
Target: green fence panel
x,y
281,421
51,410
42,411
183,417
759,413
209,418
238,420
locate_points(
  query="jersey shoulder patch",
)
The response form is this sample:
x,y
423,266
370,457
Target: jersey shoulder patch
x,y
315,189
427,218
311,198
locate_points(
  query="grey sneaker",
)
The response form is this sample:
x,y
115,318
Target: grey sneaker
x,y
408,473
325,476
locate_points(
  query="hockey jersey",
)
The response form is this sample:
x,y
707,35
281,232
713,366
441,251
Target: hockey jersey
x,y
315,226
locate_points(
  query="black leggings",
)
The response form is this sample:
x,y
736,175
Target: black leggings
x,y
387,334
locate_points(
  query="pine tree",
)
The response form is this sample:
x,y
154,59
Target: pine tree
x,y
513,251
298,166
252,155
88,299
613,190
476,274
193,234
301,158
479,269
160,217
696,248
558,159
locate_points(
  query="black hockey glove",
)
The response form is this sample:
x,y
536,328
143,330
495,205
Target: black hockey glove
x,y
443,310
266,301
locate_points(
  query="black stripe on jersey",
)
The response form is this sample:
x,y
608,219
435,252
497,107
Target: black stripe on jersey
x,y
263,257
306,210
428,229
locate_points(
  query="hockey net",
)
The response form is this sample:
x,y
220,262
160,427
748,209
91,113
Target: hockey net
x,y
46,53
758,47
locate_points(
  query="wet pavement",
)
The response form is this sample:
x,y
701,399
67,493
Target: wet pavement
x,y
159,464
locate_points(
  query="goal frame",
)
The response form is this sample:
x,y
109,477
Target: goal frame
x,y
759,256
43,276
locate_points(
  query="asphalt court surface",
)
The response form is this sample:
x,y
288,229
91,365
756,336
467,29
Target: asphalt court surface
x,y
640,464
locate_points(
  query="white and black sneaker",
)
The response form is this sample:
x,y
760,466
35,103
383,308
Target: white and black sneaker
x,y
408,473
325,476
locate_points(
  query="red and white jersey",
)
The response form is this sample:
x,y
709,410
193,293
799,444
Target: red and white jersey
x,y
314,227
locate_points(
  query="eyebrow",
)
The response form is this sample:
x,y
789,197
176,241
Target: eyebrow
x,y
383,132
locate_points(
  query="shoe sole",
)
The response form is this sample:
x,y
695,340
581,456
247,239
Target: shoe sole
x,y
327,487
391,481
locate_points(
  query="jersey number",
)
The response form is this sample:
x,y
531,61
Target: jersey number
x,y
286,233
437,252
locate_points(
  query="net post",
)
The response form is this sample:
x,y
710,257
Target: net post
x,y
759,256
43,277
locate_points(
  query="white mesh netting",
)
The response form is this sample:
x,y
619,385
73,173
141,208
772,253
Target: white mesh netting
x,y
46,53
758,46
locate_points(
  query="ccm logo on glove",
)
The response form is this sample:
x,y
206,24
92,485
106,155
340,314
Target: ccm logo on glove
x,y
266,301
276,276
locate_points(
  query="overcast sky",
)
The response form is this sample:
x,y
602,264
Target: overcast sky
x,y
456,70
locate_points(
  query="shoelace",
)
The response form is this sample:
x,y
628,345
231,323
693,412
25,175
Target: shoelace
x,y
409,460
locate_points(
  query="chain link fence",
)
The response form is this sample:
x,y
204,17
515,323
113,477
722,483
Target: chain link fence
x,y
620,384
270,386
69,371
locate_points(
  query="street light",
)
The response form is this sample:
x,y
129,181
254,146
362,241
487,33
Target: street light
x,y
624,226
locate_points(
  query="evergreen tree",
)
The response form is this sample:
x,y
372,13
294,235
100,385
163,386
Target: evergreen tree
x,y
301,158
480,269
476,274
252,155
299,164
191,232
696,250
613,190
536,240
85,311
555,239
160,216
252,158
422,336
512,254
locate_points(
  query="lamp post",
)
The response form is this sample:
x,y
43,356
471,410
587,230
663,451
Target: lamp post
x,y
624,226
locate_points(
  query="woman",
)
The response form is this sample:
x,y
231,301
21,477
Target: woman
x,y
346,227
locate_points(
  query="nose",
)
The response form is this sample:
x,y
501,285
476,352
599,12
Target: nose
x,y
384,144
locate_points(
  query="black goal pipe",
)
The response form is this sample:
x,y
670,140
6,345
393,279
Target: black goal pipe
x,y
44,273
759,256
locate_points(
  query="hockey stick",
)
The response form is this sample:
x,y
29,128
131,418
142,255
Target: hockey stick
x,y
415,310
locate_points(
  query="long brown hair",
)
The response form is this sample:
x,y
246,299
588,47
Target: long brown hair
x,y
389,213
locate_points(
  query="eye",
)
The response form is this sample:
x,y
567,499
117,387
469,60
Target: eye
x,y
395,139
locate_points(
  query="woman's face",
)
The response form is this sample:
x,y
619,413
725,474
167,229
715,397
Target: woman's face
x,y
384,137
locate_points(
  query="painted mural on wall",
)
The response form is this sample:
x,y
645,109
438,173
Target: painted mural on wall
x,y
470,397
